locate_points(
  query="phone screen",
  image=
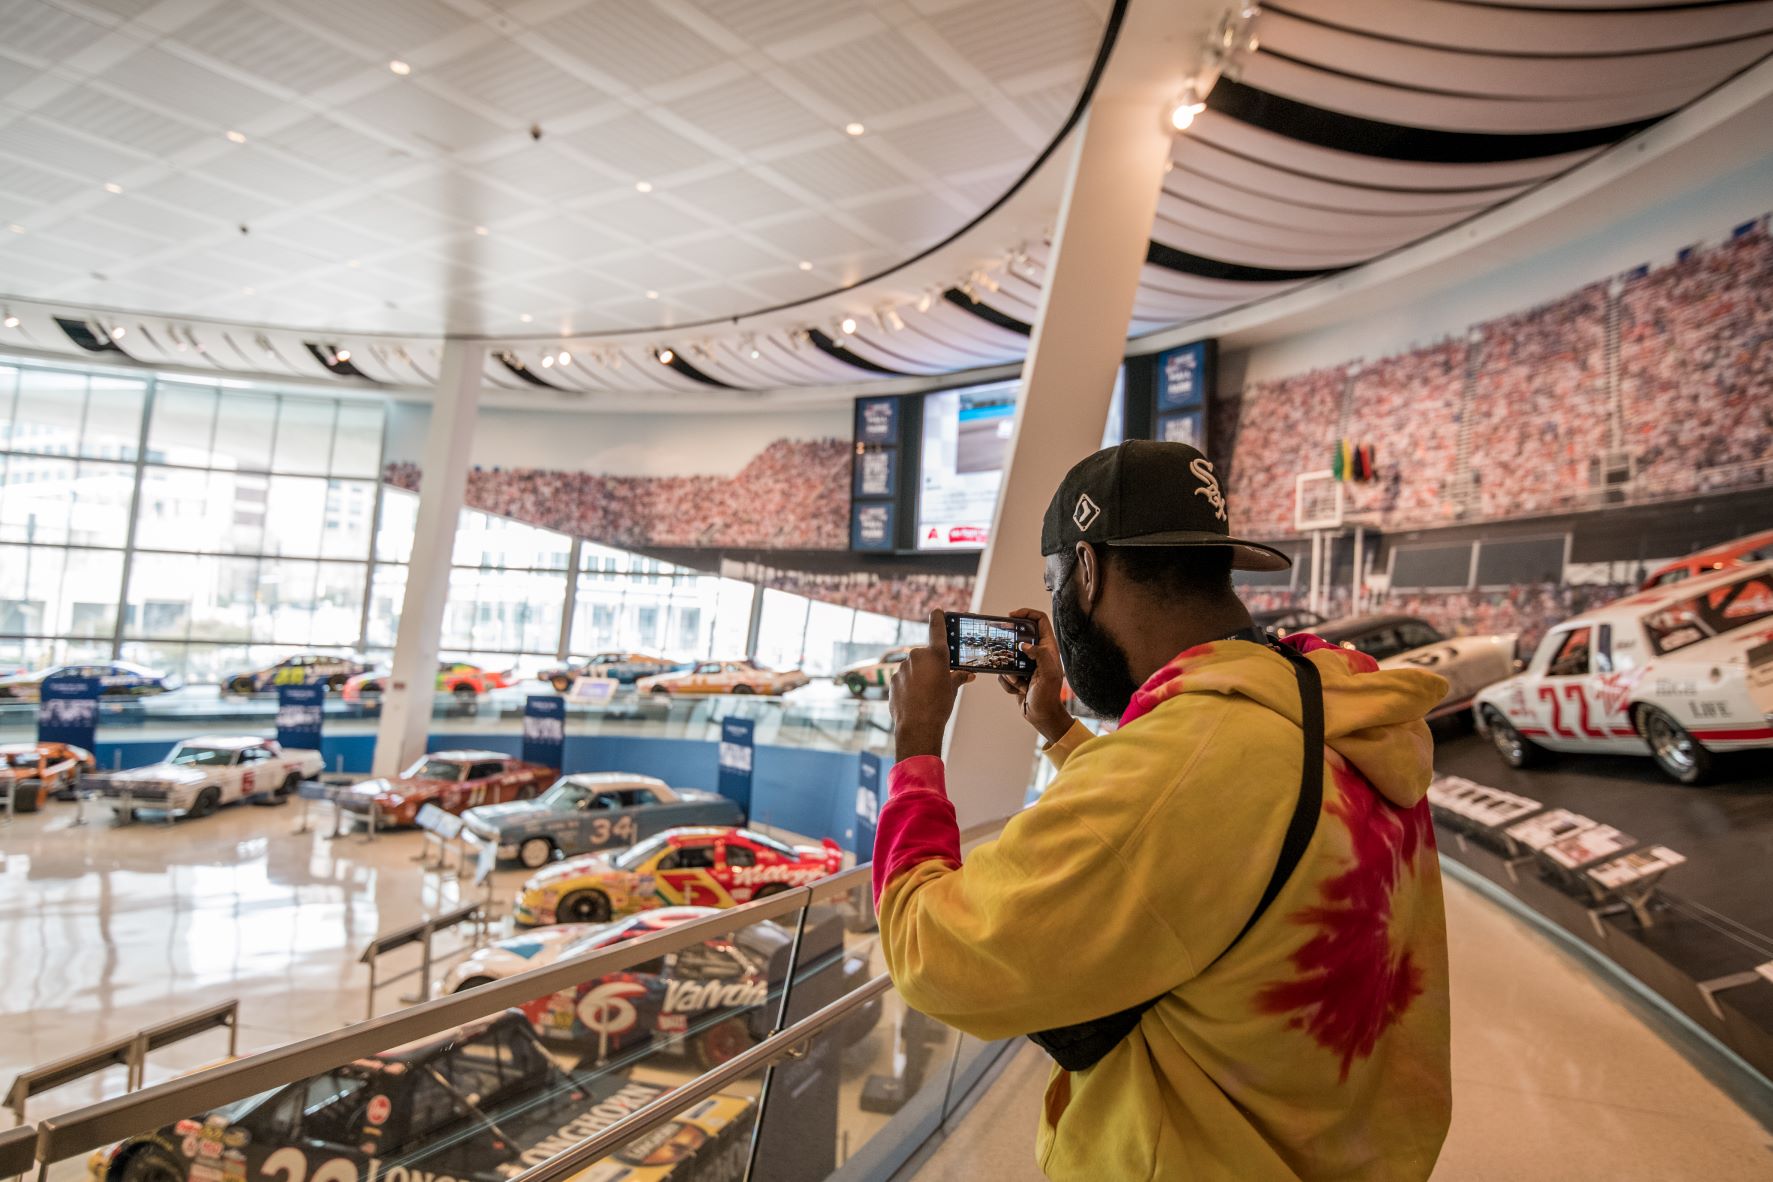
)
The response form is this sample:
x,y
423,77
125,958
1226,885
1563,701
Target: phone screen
x,y
990,644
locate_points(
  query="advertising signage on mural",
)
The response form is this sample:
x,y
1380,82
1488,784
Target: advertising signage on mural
x,y
874,473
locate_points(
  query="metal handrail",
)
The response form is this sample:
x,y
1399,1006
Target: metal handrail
x,y
16,1150
649,1117
110,1120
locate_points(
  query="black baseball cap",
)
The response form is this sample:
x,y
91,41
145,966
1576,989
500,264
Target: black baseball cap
x,y
1147,493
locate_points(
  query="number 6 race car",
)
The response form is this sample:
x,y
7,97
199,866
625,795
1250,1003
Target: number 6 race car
x,y
1679,673
200,775
703,867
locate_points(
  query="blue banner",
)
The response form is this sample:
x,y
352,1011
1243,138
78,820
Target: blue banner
x,y
867,807
544,729
737,745
1182,377
67,710
876,472
877,420
299,710
871,526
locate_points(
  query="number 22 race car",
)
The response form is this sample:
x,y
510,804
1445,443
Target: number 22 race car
x,y
1679,673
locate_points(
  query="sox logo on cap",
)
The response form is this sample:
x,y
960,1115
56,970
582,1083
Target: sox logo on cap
x,y
1203,471
1086,512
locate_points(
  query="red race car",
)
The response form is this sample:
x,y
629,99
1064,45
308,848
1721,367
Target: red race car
x,y
451,780
702,866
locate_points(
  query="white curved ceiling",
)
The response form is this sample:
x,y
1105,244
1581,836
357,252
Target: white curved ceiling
x,y
1355,130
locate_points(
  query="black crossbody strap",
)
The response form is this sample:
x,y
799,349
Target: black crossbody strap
x,y
1083,1044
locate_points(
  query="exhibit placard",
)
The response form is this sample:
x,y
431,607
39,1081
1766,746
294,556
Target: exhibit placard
x,y
67,711
871,526
737,745
300,710
867,805
544,729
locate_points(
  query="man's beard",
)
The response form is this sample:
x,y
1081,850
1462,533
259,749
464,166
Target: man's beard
x,y
1095,666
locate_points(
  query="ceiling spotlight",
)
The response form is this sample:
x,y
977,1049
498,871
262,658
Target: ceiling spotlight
x,y
805,265
113,187
118,333
564,357
11,320
400,67
853,129
643,186
848,324
1186,108
482,231
237,137
526,318
341,355
548,361
754,353
666,356
652,295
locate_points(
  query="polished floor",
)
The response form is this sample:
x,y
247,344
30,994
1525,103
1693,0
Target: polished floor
x,y
1556,1074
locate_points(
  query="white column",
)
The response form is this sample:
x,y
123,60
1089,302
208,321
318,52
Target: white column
x,y
412,685
1080,335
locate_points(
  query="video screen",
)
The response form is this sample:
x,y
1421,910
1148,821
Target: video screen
x,y
987,645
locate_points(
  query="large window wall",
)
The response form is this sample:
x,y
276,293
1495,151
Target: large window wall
x,y
206,529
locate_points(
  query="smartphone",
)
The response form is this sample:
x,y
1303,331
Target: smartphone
x,y
990,644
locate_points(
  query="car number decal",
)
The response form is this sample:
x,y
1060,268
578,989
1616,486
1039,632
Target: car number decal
x,y
603,829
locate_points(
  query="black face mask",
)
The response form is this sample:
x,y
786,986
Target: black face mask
x,y
1095,666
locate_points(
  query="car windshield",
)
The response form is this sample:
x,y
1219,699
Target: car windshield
x,y
638,854
564,795
187,756
770,843
434,769
1722,609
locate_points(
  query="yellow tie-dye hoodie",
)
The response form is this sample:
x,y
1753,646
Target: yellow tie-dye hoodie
x,y
1317,1047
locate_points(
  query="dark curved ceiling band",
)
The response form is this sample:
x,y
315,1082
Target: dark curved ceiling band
x,y
986,312
831,348
1171,259
81,333
693,374
1391,141
343,368
525,373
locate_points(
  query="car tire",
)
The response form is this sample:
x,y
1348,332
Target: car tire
x,y
206,803
774,888
583,907
474,983
25,802
535,853
720,1043
1682,758
336,682
467,701
858,685
562,684
659,689
291,785
743,689
241,685
1516,750
149,1165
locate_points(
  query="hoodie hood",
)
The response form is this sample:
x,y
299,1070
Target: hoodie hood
x,y
1373,718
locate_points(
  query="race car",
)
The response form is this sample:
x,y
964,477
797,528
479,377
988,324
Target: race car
x,y
709,998
1469,663
1741,552
38,771
463,681
703,867
451,780
1679,673
594,811
200,775
480,1103
724,677
866,675
1283,621
302,669
117,679
624,668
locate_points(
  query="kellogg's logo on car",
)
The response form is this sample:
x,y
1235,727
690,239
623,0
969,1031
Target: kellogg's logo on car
x,y
758,875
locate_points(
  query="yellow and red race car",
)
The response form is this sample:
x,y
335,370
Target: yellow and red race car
x,y
466,682
701,866
38,771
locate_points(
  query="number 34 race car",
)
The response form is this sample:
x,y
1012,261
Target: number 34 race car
x,y
703,867
1679,673
594,811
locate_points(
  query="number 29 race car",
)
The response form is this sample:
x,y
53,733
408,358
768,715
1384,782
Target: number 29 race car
x,y
1679,673
480,1103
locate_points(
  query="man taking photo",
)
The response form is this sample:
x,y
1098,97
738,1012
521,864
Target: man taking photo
x,y
1223,920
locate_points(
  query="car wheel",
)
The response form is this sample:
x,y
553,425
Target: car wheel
x,y
466,699
583,907
150,1165
721,1043
23,801
240,685
535,853
1681,757
659,689
206,802
561,683
743,689
774,888
1516,749
336,682
858,685
292,784
474,983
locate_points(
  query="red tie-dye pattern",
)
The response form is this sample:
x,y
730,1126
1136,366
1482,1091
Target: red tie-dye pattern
x,y
917,822
1352,984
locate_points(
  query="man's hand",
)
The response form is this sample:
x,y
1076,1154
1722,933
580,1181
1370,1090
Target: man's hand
x,y
923,695
1040,694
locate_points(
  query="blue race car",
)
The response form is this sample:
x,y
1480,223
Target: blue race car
x,y
117,679
594,811
302,669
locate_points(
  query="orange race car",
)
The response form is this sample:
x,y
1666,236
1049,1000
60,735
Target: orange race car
x,y
1741,552
38,771
464,681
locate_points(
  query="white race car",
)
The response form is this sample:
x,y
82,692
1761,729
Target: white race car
x,y
200,775
1469,663
1679,673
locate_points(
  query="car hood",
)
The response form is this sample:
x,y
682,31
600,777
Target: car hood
x,y
594,865
161,773
405,789
697,795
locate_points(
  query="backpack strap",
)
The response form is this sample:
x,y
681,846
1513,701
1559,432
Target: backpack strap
x,y
1083,1044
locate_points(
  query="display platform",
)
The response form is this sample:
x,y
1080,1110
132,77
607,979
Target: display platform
x,y
1708,946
